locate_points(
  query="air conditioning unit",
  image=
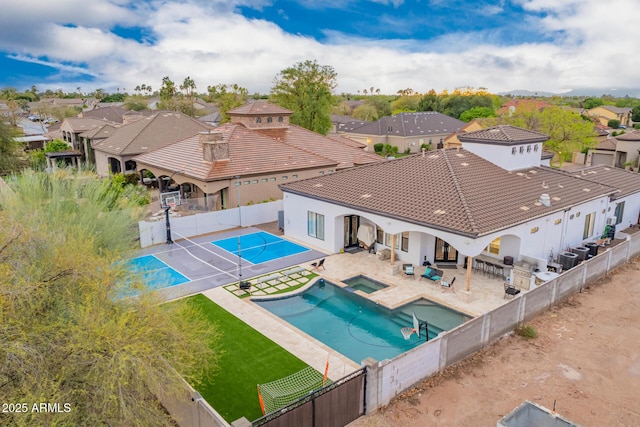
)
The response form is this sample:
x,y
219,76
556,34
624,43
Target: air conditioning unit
x,y
612,220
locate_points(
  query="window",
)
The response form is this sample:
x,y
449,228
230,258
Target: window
x,y
589,221
315,225
528,148
246,183
380,236
285,177
535,148
494,246
264,180
258,119
269,119
254,181
521,149
405,242
388,240
321,172
514,150
619,212
236,183
294,176
273,178
330,171
280,119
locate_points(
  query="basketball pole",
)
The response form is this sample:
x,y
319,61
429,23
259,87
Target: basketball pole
x,y
166,213
240,225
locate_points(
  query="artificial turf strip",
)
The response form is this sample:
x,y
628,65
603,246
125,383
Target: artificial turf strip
x,y
249,358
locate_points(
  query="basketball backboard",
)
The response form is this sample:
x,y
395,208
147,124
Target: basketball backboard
x,y
166,199
416,324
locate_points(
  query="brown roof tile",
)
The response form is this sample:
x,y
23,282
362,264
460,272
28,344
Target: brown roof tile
x,y
150,133
629,136
250,153
503,135
423,123
259,107
627,182
451,189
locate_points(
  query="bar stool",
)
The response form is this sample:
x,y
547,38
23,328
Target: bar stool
x,y
499,270
490,268
480,265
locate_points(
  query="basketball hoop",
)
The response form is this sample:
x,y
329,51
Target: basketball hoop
x,y
406,332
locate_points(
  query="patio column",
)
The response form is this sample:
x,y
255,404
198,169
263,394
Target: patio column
x,y
393,248
469,267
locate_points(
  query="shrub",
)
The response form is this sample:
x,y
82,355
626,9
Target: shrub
x,y
427,147
613,123
526,331
636,125
378,147
407,150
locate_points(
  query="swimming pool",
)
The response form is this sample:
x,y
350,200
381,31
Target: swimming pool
x,y
155,273
357,327
364,284
259,247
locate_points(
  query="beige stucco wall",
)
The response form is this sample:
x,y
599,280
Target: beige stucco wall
x,y
412,142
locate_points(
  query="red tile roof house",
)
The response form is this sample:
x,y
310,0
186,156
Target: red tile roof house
x,y
489,197
162,128
72,130
404,130
259,146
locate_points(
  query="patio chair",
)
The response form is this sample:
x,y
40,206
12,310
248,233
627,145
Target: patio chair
x,y
510,290
448,285
318,265
408,270
432,274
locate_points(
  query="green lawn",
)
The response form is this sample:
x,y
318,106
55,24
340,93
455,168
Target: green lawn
x,y
249,359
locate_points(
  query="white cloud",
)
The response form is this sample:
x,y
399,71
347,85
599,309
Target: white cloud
x,y
589,46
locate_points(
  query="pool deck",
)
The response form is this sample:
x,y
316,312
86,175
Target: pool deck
x,y
487,292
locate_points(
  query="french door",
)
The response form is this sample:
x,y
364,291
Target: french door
x,y
445,252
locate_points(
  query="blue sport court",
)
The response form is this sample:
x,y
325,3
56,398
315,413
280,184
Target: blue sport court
x,y
155,273
259,247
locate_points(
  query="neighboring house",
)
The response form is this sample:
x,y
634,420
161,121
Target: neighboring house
x,y
95,136
212,119
407,131
627,149
249,157
603,153
452,140
72,128
338,121
115,153
111,113
489,197
604,113
522,105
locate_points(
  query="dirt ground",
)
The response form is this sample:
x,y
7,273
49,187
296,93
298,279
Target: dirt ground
x,y
586,359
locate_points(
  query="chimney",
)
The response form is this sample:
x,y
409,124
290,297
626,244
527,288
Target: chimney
x,y
545,199
214,148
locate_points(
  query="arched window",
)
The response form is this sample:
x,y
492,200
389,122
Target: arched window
x,y
258,119
269,119
280,119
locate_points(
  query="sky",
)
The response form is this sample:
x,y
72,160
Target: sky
x,y
500,45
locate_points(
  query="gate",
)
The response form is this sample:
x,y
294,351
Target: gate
x,y
335,405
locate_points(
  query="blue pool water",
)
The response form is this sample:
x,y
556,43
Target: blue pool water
x,y
259,247
357,327
155,273
364,284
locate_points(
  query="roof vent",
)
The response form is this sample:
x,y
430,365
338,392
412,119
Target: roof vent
x,y
545,199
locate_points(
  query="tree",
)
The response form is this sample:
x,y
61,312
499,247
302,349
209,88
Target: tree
x,y
477,112
635,114
306,89
429,102
227,97
167,92
69,333
189,87
590,103
10,150
568,131
366,111
136,103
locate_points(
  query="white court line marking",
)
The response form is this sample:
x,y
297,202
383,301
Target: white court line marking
x,y
208,250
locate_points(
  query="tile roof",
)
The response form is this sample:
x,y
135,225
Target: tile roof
x,y
250,153
345,140
629,136
101,132
616,110
627,182
152,132
451,189
339,151
503,135
422,123
259,107
82,124
607,144
111,113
